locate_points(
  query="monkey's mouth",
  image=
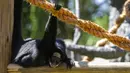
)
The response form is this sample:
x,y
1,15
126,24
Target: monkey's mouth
x,y
55,60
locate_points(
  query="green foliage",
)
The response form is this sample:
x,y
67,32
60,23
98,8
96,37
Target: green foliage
x,y
102,21
25,20
34,20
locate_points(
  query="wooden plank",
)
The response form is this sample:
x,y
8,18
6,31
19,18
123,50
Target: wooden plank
x,y
89,68
6,21
73,70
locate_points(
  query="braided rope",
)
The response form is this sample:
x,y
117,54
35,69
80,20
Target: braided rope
x,y
119,20
92,28
114,29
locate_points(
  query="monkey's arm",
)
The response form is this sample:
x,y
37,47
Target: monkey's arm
x,y
49,37
50,31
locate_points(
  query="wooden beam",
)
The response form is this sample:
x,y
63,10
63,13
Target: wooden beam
x,y
73,70
6,21
89,68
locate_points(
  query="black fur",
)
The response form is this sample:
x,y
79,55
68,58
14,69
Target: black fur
x,y
36,52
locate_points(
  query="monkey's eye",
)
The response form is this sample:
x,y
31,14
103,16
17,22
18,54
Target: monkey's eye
x,y
55,60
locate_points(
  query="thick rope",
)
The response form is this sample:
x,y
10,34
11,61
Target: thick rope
x,y
114,29
92,28
119,20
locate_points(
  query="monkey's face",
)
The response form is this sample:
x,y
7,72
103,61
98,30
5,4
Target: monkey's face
x,y
58,60
55,60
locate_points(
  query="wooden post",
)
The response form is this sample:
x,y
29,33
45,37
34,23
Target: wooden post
x,y
6,21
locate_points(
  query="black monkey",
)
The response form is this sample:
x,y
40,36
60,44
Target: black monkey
x,y
48,51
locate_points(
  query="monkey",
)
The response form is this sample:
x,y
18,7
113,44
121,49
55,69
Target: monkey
x,y
49,51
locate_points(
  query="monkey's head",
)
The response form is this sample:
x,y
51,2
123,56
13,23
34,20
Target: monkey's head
x,y
59,56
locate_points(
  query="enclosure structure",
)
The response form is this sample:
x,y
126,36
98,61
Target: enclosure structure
x,y
6,27
6,22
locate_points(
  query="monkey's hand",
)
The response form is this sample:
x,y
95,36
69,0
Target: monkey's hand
x,y
69,63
